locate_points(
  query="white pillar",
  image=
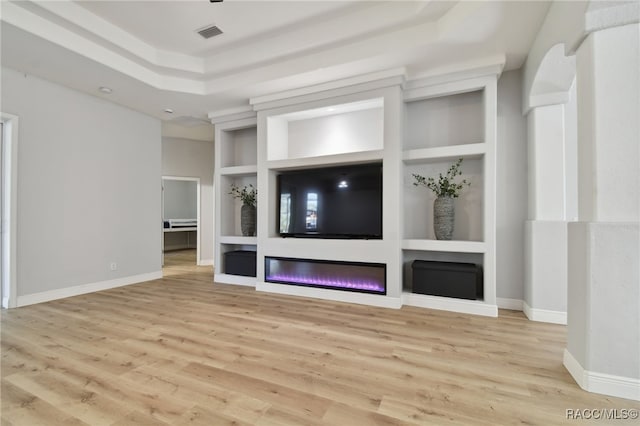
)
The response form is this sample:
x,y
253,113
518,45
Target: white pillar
x,y
603,339
545,296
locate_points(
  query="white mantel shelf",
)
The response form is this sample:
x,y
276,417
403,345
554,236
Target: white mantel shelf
x,y
451,246
239,170
473,150
236,239
326,160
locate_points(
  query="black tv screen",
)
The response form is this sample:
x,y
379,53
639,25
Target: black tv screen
x,y
331,202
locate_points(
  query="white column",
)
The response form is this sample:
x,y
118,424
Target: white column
x,y
603,339
545,295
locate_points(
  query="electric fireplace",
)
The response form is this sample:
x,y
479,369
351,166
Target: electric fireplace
x,y
349,276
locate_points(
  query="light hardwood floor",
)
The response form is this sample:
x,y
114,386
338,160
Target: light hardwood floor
x,y
182,350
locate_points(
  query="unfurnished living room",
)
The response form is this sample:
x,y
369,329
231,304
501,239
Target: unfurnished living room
x,y
320,212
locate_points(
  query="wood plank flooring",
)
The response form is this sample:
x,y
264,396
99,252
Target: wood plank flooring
x,y
183,351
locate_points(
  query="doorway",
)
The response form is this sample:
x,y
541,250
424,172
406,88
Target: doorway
x,y
180,221
8,208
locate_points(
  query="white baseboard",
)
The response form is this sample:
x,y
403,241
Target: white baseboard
x,y
205,262
573,367
5,302
234,280
543,315
451,304
62,293
605,384
511,304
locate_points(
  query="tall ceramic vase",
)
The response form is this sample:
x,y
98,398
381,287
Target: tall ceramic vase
x,y
248,220
443,217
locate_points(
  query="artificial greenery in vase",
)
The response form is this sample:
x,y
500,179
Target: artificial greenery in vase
x,y
445,186
247,194
443,207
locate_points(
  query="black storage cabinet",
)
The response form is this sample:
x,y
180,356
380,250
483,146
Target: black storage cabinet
x,y
449,279
240,262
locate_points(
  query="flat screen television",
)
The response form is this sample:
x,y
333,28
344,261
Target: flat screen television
x,y
331,202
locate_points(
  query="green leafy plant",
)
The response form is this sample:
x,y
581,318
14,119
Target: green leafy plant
x,y
445,185
247,194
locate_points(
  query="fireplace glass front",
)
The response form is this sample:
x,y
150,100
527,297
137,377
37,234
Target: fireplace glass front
x,y
336,275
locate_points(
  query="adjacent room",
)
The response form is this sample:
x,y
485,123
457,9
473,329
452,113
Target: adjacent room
x,y
180,220
319,213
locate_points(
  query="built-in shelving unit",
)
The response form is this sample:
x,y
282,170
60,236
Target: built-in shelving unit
x,y
444,122
419,126
235,163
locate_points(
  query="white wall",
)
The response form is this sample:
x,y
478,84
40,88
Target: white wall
x,y
336,134
193,158
564,23
436,121
511,192
180,199
546,125
617,173
88,187
171,129
605,276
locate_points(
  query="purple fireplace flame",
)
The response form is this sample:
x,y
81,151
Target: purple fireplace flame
x,y
328,282
351,276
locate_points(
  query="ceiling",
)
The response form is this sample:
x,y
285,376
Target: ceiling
x,y
150,54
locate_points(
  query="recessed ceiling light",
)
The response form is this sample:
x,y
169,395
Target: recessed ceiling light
x,y
106,90
168,110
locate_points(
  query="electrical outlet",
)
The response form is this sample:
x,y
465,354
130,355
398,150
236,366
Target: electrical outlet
x,y
113,266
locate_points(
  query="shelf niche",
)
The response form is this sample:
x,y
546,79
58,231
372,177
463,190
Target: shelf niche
x,y
230,207
445,121
469,206
408,256
238,147
340,129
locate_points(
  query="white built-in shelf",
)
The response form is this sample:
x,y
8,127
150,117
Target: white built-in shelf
x,y
236,239
239,170
327,160
234,279
452,246
414,156
475,307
